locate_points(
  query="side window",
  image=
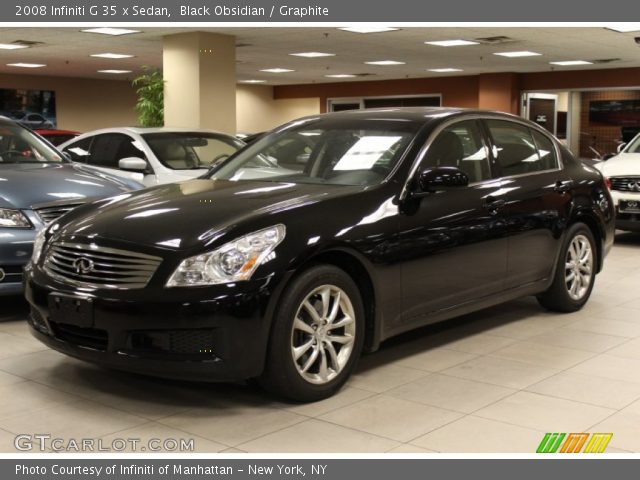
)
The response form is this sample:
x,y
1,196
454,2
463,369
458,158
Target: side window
x,y
516,150
79,151
460,145
546,151
109,148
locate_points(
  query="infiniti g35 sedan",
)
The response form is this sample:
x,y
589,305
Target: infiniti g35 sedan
x,y
385,221
37,185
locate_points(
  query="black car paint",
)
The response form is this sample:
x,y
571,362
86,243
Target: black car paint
x,y
411,257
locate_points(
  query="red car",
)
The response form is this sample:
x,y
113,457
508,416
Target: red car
x,y
57,137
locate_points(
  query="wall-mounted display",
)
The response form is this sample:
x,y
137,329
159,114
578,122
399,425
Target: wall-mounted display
x,y
614,112
31,108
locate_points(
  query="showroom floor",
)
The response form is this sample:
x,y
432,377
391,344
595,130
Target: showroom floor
x,y
494,381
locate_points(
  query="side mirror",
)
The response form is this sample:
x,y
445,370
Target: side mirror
x,y
621,147
607,156
132,164
439,178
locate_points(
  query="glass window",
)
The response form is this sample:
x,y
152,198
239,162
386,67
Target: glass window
x,y
460,145
325,151
104,150
546,151
634,145
19,145
79,150
515,148
191,150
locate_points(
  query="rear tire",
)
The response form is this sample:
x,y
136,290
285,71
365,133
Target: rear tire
x,y
575,273
317,336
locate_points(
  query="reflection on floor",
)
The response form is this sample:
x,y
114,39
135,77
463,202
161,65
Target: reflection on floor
x,y
493,381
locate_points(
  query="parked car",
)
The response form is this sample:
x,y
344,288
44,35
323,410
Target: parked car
x,y
623,171
57,137
399,218
37,185
30,120
152,156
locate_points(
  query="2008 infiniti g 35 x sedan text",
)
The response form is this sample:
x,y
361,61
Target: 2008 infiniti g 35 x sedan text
x,y
322,239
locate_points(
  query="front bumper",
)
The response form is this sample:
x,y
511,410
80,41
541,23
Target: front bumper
x,y
625,220
16,245
202,334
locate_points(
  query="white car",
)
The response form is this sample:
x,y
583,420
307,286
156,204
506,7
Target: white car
x,y
623,171
152,156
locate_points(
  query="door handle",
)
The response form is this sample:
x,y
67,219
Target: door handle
x,y
493,203
563,186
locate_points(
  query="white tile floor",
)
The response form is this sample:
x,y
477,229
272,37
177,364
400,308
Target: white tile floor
x,y
493,381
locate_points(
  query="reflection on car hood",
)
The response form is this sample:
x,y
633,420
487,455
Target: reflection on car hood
x,y
30,185
195,212
624,164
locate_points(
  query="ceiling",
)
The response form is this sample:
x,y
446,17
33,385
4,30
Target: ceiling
x,y
65,51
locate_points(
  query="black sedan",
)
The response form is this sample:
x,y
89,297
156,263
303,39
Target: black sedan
x,y
286,270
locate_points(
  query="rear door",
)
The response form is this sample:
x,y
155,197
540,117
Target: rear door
x,y
538,197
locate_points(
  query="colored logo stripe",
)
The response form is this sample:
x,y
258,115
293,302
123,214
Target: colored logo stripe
x,y
574,442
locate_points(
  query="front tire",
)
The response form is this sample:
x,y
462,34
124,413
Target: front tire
x,y
575,272
317,336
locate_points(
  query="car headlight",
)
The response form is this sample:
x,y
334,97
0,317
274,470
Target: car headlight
x,y
233,262
38,245
13,218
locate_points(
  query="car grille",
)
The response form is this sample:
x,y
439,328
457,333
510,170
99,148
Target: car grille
x,y
85,337
196,342
49,214
93,266
625,184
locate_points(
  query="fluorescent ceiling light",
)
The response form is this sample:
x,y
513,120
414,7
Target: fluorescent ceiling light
x,y
365,29
452,43
569,63
111,31
111,55
341,75
624,27
313,54
115,72
26,65
385,62
252,81
523,53
12,46
277,70
444,70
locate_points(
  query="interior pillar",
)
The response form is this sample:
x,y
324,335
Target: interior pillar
x,y
200,73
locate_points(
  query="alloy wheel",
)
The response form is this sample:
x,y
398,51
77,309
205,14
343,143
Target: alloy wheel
x,y
578,267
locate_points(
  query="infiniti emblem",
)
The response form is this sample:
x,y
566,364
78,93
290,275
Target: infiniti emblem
x,y
83,265
634,186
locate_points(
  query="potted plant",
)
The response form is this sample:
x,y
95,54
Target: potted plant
x,y
150,104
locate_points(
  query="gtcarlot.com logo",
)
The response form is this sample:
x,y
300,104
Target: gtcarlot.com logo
x,y
46,442
574,443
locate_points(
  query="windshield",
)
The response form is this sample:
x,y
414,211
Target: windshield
x,y
327,151
191,150
20,145
634,145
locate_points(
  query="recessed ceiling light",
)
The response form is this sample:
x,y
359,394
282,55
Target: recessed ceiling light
x,y
569,63
111,31
252,81
26,65
624,27
111,55
277,70
115,72
341,75
452,43
385,62
12,46
523,53
313,54
444,70
365,29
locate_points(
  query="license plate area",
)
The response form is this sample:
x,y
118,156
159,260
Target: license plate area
x,y
630,206
71,310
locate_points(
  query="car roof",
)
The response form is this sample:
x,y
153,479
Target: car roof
x,y
142,130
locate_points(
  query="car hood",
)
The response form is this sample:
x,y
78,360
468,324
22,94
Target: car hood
x,y
194,213
31,185
624,164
